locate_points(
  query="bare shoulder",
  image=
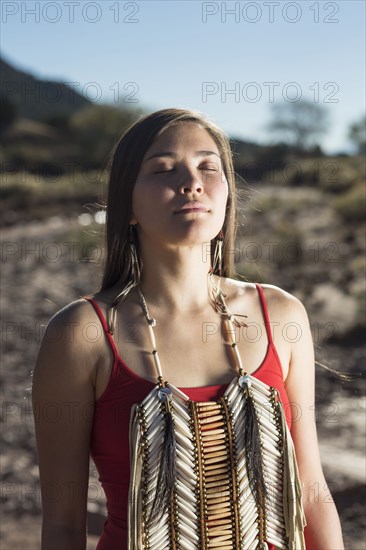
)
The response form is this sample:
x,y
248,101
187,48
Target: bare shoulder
x,y
72,340
284,303
78,310
280,303
76,318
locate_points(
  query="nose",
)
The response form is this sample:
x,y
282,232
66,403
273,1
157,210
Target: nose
x,y
191,184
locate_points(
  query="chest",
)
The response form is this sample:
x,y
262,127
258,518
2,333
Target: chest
x,y
193,352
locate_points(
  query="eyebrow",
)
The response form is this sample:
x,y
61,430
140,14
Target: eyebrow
x,y
170,154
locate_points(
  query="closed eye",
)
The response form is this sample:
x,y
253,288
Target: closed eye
x,y
209,168
164,171
205,168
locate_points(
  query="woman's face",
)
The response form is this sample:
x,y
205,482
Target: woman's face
x,y
181,191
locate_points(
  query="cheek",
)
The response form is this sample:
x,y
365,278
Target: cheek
x,y
224,198
222,191
149,201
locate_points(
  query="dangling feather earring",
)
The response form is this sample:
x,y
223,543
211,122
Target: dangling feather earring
x,y
134,277
216,294
216,269
217,255
135,263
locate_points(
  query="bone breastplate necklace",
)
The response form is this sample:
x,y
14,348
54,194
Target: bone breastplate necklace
x,y
219,474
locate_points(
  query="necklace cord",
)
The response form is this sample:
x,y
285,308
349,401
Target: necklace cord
x,y
219,300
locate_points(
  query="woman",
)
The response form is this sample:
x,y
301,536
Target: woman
x,y
166,374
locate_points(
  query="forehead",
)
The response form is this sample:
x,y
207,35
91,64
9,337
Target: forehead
x,y
184,135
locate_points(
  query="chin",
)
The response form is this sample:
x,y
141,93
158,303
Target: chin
x,y
193,235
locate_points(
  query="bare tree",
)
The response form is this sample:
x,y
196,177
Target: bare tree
x,y
299,124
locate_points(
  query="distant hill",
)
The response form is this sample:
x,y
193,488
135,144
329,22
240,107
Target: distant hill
x,y
37,99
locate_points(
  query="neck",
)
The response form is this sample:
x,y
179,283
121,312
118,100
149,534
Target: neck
x,y
176,279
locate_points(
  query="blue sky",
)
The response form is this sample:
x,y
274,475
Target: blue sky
x,y
192,54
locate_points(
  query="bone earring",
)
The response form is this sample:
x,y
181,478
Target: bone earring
x,y
217,256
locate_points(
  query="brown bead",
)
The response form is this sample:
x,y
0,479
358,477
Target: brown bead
x,y
212,522
214,493
212,478
217,469
213,448
212,425
212,436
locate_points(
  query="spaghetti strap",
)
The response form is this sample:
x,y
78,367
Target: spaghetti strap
x,y
104,325
265,312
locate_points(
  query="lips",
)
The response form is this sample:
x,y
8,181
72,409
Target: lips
x,y
192,206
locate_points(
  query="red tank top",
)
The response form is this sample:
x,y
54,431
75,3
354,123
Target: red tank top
x,y
110,432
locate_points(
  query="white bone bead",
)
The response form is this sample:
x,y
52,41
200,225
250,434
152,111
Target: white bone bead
x,y
260,386
149,399
157,364
182,489
188,453
151,434
152,336
154,418
181,411
183,519
177,391
187,506
191,483
271,450
238,358
233,390
182,426
251,534
274,536
189,532
159,538
183,439
186,544
184,466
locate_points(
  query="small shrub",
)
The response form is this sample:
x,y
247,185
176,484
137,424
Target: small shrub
x,y
351,205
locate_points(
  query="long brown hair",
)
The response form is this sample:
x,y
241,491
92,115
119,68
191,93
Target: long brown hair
x,y
124,165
